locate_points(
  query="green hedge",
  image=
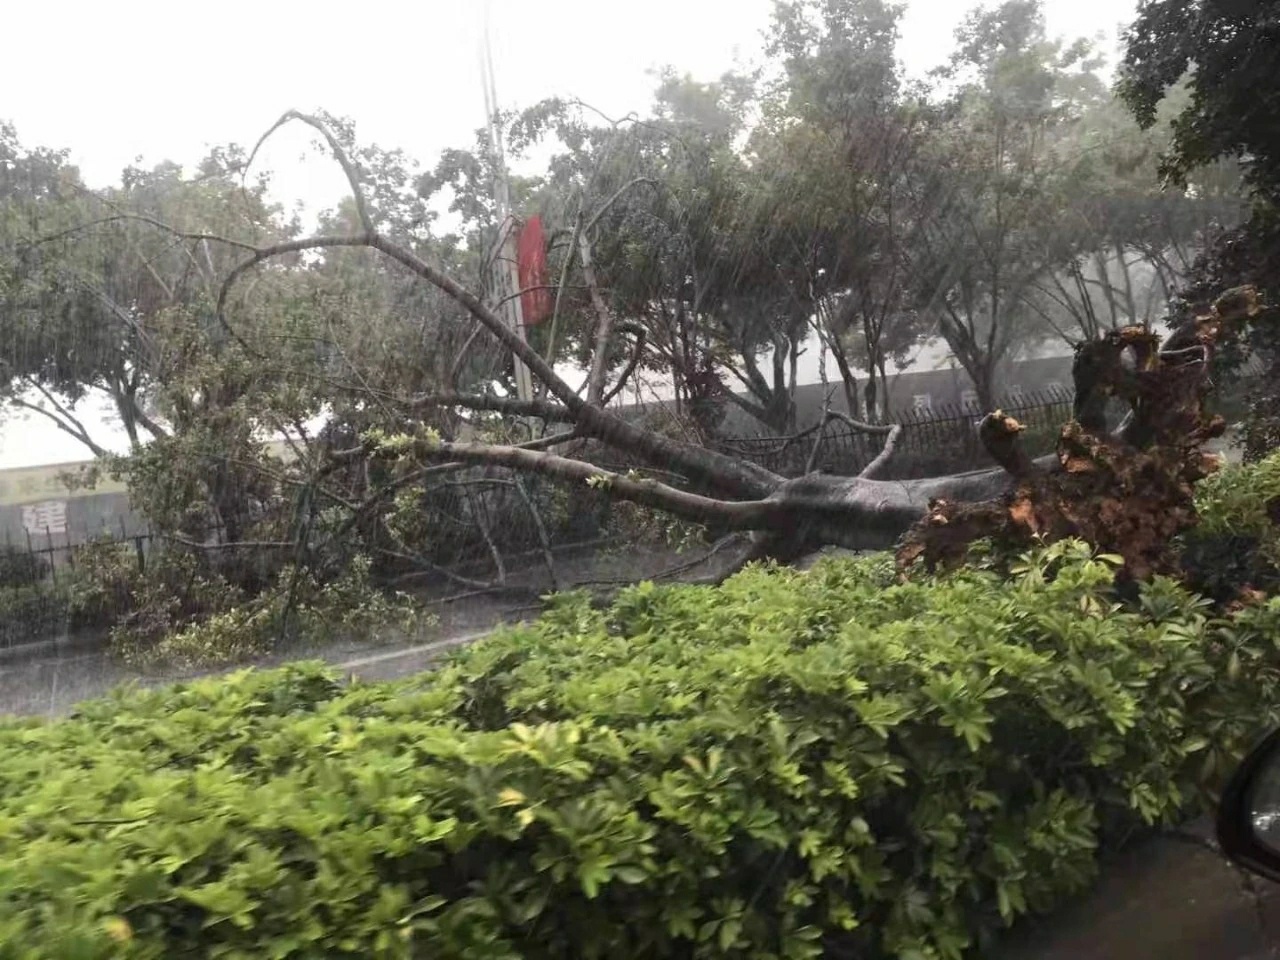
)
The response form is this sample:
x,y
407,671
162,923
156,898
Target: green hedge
x,y
1237,540
793,765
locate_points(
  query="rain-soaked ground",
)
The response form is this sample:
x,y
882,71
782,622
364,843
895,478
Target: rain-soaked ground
x,y
1164,899
53,681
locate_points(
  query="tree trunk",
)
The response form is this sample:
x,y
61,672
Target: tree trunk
x,y
848,378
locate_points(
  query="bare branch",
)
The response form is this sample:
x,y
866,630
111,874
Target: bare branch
x,y
617,195
891,431
637,354
353,178
875,466
481,518
676,570
455,368
140,218
512,406
690,506
534,289
231,544
481,586
70,425
543,539
604,321
822,432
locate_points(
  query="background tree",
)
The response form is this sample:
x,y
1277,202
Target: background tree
x,y
1213,65
1130,241
995,177
838,136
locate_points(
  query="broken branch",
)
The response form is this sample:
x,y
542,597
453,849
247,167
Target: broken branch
x,y
512,406
691,506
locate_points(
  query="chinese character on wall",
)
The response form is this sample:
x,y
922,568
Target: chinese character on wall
x,y
49,516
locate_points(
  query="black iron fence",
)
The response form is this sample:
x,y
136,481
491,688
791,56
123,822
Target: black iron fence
x,y
473,530
42,554
482,527
940,440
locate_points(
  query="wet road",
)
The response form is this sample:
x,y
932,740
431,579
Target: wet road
x,y
1166,899
52,686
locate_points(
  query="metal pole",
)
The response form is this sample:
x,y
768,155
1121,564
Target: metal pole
x,y
506,269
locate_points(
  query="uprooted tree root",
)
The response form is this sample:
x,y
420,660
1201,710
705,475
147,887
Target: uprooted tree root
x,y
1128,492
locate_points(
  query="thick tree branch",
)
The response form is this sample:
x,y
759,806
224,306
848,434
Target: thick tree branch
x,y
703,467
699,464
885,454
651,493
890,431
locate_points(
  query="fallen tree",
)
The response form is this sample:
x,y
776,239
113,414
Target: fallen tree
x,y
1127,490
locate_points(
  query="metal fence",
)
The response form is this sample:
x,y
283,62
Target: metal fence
x,y
936,441
476,517
481,531
483,528
50,552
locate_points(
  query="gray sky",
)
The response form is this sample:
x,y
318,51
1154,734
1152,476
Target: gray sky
x,y
114,80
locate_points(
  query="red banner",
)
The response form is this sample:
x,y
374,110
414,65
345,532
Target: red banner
x,y
531,258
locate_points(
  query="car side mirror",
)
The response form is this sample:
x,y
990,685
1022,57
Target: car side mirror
x,y
1249,812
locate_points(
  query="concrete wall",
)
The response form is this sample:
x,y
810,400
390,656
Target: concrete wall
x,y
36,503
59,521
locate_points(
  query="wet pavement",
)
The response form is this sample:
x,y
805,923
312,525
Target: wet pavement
x,y
48,679
1165,899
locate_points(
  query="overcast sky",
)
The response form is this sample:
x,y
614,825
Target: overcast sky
x,y
114,80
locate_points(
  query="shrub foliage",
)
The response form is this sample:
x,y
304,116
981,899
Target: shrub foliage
x,y
1236,544
793,765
